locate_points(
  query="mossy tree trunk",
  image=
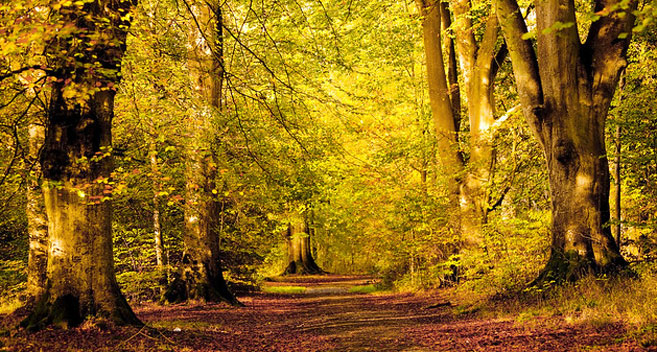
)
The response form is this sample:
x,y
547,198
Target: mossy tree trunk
x,y
300,257
202,277
565,88
76,163
80,267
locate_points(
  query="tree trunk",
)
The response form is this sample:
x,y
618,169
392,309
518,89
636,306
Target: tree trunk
x,y
441,107
479,71
300,257
37,222
202,276
80,268
565,88
579,187
157,227
617,195
76,163
478,66
452,70
617,174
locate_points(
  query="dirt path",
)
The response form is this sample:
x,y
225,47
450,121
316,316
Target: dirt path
x,y
326,317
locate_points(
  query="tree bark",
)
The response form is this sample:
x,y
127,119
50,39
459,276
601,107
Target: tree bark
x,y
617,174
76,163
479,68
452,66
202,276
37,221
300,256
80,264
565,88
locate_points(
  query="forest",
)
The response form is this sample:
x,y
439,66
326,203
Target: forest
x,y
328,175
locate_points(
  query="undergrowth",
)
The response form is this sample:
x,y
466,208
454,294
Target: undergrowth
x,y
12,284
596,301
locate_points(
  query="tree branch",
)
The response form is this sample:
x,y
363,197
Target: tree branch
x,y
23,69
525,63
606,47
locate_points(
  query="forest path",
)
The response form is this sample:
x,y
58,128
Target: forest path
x,y
326,316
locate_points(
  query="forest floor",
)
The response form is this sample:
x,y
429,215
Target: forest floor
x,y
323,313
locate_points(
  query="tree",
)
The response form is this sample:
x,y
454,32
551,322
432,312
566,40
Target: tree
x,y
37,222
83,60
479,64
202,276
300,257
565,87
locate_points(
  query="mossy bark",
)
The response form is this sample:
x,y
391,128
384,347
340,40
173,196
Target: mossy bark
x,y
80,264
76,163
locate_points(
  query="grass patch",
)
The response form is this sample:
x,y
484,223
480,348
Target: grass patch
x,y
363,289
284,289
181,324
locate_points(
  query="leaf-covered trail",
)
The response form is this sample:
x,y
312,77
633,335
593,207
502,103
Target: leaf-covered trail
x,y
326,317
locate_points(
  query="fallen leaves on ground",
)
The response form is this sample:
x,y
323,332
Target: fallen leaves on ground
x,y
322,320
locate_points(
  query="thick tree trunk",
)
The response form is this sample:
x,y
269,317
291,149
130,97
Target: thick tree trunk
x,y
80,267
579,187
37,222
202,277
300,258
76,163
565,88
